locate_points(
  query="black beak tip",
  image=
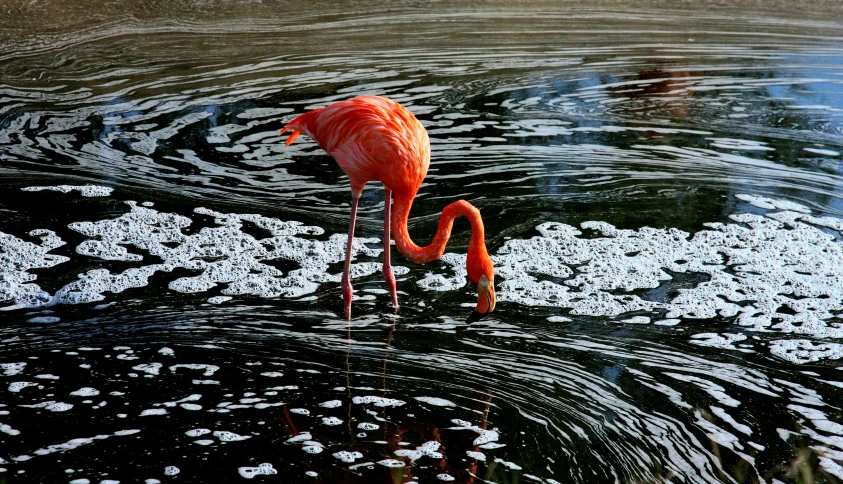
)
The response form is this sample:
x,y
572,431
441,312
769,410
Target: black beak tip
x,y
474,317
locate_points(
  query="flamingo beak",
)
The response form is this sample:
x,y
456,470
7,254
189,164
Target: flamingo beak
x,y
485,300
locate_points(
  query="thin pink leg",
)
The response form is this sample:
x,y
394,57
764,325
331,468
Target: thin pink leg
x,y
387,262
346,278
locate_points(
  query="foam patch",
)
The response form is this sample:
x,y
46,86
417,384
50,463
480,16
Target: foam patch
x,y
84,190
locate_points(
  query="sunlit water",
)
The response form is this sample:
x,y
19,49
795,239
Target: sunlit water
x,y
661,187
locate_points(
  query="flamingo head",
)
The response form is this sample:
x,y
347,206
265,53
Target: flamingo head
x,y
481,272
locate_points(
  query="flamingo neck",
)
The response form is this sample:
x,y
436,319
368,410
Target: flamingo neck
x,y
433,251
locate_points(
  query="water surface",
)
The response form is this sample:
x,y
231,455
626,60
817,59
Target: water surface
x,y
661,188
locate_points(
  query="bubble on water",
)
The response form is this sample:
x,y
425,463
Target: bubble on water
x,y
197,432
171,470
85,392
166,351
348,457
51,406
264,469
272,374
12,369
636,320
438,402
190,406
153,411
378,401
445,477
219,299
127,432
226,436
84,190
300,437
331,404
300,411
7,429
485,436
151,368
80,481
20,385
331,421
428,449
313,449
311,473
715,340
476,455
801,351
203,442
19,256
368,426
209,369
391,463
225,254
507,464
47,376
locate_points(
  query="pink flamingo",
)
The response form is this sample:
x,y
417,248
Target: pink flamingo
x,y
374,138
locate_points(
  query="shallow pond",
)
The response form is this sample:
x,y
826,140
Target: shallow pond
x,y
661,188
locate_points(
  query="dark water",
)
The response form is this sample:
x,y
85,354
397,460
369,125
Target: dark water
x,y
661,186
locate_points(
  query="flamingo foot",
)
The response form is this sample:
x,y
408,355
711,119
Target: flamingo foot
x,y
389,277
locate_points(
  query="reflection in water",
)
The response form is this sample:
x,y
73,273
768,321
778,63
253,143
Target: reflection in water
x,y
157,340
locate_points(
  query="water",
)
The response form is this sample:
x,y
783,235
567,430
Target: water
x,y
661,186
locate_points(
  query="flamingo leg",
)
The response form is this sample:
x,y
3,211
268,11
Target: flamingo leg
x,y
346,273
388,275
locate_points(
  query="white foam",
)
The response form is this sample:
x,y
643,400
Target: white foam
x,y
428,449
151,368
17,386
47,376
7,429
801,351
378,401
197,432
391,463
348,457
219,299
84,190
16,258
331,404
226,436
264,469
331,421
485,436
715,340
272,374
313,448
12,369
476,455
435,401
166,351
153,411
52,406
209,369
507,464
300,437
819,151
85,392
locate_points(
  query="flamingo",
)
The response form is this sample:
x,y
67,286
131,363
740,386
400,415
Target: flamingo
x,y
375,138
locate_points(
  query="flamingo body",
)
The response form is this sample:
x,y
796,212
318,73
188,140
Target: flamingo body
x,y
374,138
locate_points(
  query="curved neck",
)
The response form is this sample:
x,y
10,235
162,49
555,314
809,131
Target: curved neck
x,y
433,251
